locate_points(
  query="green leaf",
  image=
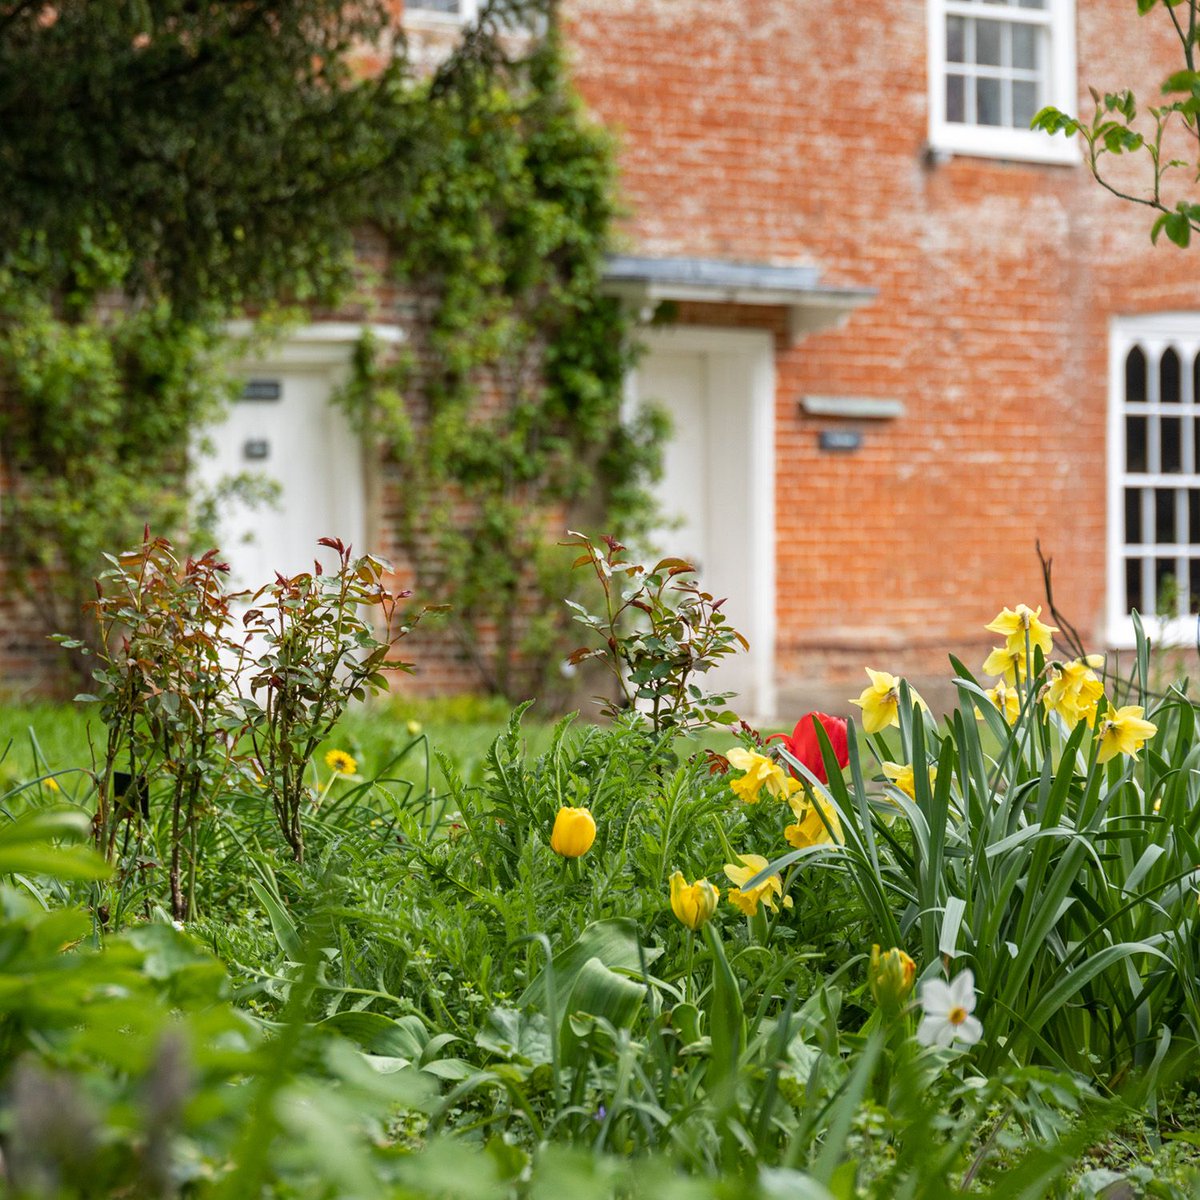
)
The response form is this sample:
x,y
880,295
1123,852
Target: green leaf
x,y
726,1020
613,942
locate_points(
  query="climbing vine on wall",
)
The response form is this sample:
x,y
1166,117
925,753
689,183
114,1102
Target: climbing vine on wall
x,y
503,419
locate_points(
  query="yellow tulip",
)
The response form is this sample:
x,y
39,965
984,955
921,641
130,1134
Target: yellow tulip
x,y
574,832
693,903
891,977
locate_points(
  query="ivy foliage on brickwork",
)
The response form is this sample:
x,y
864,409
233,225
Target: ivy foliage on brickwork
x,y
212,157
1155,134
503,419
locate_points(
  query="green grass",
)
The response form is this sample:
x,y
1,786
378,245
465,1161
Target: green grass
x,y
44,739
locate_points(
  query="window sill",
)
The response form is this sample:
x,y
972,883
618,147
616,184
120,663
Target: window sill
x,y
1012,145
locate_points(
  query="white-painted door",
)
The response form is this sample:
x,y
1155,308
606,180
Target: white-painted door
x,y
717,491
285,429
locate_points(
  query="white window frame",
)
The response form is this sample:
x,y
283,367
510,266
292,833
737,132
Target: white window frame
x,y
468,10
1154,334
990,141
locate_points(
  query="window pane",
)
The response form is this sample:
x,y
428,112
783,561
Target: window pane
x,y
1168,378
987,102
446,6
1032,3
988,38
956,39
1133,516
1166,587
1135,376
1164,515
1194,585
1133,584
1135,443
1196,382
1025,47
1171,445
956,99
1025,103
1194,517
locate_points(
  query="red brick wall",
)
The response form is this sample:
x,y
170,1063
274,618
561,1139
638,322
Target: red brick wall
x,y
784,132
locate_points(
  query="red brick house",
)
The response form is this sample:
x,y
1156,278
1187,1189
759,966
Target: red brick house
x,y
903,337
982,349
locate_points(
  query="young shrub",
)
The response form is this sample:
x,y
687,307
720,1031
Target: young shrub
x,y
660,633
320,651
165,664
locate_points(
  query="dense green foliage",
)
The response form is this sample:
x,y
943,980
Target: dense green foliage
x,y
212,157
442,997
513,429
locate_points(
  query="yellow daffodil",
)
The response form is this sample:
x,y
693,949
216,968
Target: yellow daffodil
x,y
1015,623
340,762
760,773
1074,690
693,903
809,829
891,977
574,832
904,778
881,701
1123,732
1007,698
767,891
1011,667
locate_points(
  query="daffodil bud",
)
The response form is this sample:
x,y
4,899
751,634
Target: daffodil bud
x,y
574,832
693,903
891,977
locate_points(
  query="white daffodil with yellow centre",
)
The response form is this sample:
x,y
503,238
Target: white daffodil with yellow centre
x,y
947,1012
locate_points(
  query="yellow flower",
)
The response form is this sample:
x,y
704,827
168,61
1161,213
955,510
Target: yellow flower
x,y
693,903
1123,732
413,727
1001,662
1006,697
1013,623
810,830
766,891
1074,690
881,701
903,777
574,832
51,785
340,762
891,977
760,772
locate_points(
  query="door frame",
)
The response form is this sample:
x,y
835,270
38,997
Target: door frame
x,y
753,353
325,348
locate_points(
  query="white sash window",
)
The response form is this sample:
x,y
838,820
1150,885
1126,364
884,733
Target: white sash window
x,y
992,65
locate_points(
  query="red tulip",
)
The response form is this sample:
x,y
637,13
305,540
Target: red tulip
x,y
804,747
